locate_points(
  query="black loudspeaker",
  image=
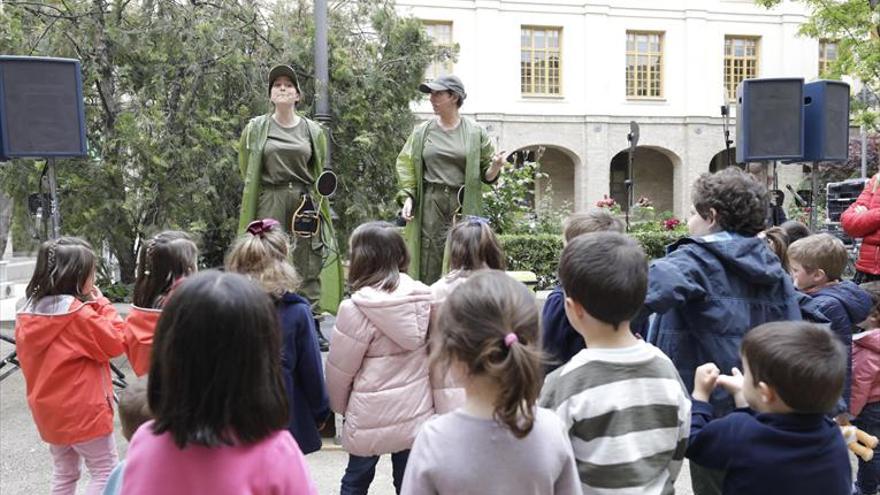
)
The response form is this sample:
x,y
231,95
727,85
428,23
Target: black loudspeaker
x,y
770,119
840,195
41,108
826,124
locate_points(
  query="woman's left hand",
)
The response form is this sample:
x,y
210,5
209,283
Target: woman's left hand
x,y
497,163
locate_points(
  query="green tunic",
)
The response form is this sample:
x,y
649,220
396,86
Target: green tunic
x,y
478,151
258,199
444,156
287,155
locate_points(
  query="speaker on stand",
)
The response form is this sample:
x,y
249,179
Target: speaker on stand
x,y
770,119
41,115
785,119
826,128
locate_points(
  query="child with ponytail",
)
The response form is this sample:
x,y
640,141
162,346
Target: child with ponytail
x,y
163,262
499,441
262,255
65,335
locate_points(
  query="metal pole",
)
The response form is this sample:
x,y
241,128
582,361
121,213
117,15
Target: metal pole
x,y
814,202
322,76
55,211
863,135
629,185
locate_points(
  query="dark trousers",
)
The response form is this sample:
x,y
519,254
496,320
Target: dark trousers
x,y
868,478
360,472
706,481
861,277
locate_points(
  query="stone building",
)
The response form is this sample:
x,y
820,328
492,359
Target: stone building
x,y
570,76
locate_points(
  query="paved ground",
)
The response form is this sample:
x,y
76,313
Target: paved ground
x,y
26,467
25,464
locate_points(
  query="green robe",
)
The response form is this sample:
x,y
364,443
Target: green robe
x,y
250,163
410,177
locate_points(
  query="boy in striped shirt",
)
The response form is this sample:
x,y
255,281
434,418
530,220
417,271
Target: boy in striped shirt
x,y
622,400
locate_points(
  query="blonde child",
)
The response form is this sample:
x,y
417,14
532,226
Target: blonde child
x,y
816,264
262,254
134,410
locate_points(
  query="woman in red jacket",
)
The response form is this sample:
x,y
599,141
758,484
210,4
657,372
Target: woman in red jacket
x,y
862,219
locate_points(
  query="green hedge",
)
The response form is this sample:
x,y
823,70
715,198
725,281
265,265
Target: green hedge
x,y
540,253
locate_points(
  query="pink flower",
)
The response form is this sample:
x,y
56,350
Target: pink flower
x,y
671,223
606,202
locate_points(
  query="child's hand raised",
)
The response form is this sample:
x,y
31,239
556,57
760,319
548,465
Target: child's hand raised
x,y
705,377
733,384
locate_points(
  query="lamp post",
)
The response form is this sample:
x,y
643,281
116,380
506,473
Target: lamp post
x,y
322,76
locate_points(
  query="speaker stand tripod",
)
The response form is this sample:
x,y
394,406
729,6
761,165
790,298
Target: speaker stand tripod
x,y
814,172
54,210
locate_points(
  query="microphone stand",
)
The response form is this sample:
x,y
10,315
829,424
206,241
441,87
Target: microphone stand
x,y
633,138
725,114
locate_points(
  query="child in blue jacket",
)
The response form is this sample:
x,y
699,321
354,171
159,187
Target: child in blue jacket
x,y
817,263
560,340
780,440
715,285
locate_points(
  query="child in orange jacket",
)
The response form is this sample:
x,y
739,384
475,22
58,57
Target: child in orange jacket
x,y
163,262
65,336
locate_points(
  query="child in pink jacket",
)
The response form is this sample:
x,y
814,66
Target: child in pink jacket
x,y
865,399
377,370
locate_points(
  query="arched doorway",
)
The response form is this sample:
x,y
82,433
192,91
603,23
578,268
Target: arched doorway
x,y
653,172
722,160
554,186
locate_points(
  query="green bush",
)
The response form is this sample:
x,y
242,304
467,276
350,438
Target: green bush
x,y
540,253
117,292
654,243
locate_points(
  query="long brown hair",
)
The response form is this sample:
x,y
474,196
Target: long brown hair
x,y
473,245
63,267
162,260
215,372
378,256
490,325
777,241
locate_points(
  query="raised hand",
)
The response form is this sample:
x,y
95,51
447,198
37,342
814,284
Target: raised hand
x,y
705,377
733,384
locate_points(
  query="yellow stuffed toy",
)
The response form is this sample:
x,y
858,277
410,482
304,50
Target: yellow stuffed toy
x,y
859,442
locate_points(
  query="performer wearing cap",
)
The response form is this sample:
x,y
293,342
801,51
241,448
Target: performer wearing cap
x,y
281,154
439,157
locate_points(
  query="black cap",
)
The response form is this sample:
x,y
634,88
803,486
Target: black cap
x,y
283,70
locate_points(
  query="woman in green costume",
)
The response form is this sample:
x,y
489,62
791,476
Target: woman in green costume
x,y
439,157
281,155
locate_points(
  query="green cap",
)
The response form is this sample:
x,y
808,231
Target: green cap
x,y
283,70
